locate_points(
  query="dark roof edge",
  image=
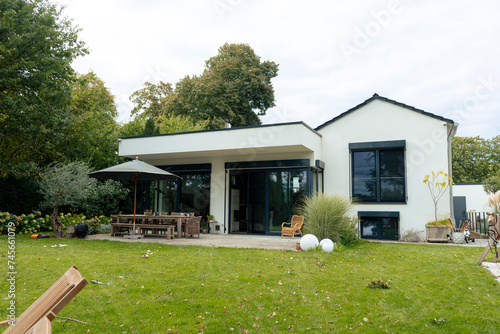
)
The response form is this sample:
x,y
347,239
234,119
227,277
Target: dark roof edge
x,y
229,129
378,97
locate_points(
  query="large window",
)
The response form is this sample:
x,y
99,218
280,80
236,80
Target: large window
x,y
189,194
287,190
378,172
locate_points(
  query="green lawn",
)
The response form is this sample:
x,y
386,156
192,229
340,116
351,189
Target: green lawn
x,y
188,289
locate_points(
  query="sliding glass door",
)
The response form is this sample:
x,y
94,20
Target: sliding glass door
x,y
261,200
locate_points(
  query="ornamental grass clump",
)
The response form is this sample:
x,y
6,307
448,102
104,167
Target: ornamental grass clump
x,y
327,216
493,203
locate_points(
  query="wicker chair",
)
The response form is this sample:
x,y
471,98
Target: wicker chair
x,y
294,227
193,226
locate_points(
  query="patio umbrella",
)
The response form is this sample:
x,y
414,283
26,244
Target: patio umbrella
x,y
134,170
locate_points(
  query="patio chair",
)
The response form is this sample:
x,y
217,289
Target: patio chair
x,y
294,228
38,317
193,226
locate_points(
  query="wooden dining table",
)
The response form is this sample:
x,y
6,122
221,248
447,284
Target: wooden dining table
x,y
177,218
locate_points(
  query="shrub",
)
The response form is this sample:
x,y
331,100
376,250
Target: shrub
x,y
327,216
25,223
95,224
104,199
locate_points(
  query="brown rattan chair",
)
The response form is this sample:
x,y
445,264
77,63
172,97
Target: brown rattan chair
x,y
193,226
295,226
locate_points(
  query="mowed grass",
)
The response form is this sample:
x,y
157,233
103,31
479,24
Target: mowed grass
x,y
190,289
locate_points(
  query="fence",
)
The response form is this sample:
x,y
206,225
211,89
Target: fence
x,y
478,221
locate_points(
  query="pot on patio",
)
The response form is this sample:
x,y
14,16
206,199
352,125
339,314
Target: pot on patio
x,y
81,231
458,237
70,232
437,233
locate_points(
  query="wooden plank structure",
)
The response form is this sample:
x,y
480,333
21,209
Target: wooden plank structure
x,y
494,226
156,229
38,317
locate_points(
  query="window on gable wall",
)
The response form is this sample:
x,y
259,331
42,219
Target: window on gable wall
x,y
378,172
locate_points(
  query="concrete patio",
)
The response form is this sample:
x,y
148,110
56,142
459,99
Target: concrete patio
x,y
215,240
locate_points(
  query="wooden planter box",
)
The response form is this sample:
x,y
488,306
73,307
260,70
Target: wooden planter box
x,y
436,233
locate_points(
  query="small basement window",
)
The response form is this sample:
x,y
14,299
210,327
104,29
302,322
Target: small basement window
x,y
381,225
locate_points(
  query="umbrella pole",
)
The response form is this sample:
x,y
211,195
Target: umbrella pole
x,y
135,199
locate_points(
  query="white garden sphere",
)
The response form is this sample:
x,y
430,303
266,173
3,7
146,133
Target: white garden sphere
x,y
327,247
308,241
325,241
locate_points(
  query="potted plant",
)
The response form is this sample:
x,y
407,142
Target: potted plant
x,y
204,228
438,231
70,232
438,183
214,227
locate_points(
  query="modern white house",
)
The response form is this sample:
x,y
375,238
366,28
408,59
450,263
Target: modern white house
x,y
252,178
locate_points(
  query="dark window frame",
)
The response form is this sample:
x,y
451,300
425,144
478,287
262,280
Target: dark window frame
x,y
377,147
379,216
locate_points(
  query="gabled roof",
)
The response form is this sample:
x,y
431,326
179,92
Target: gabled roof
x,y
377,97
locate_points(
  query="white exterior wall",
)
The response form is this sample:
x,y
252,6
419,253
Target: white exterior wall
x,y
280,142
475,196
426,150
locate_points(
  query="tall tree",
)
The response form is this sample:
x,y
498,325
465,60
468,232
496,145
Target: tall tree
x,y
475,159
234,88
149,101
93,134
37,46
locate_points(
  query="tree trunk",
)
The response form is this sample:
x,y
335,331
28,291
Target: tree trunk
x,y
57,225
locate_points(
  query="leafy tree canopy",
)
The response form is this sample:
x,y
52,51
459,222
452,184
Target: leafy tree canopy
x,y
475,159
160,125
234,88
37,46
93,134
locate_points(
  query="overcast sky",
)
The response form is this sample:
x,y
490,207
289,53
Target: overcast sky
x,y
439,56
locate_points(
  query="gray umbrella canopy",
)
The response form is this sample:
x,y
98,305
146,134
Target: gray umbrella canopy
x,y
134,170
126,171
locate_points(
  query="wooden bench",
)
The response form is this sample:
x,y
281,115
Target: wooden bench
x,y
156,229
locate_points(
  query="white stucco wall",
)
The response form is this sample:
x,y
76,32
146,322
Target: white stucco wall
x,y
278,142
426,151
245,143
475,195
